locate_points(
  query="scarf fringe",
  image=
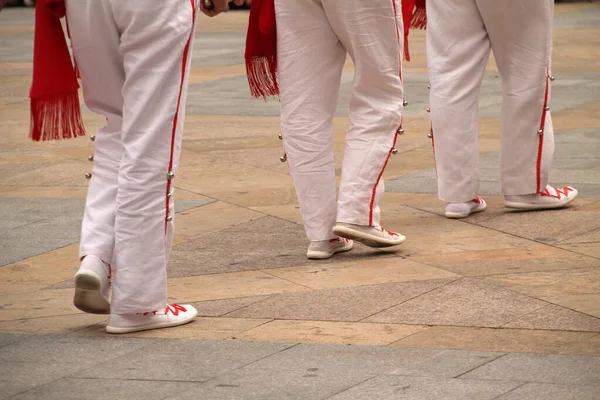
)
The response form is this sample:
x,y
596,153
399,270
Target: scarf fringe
x,y
419,19
56,118
262,76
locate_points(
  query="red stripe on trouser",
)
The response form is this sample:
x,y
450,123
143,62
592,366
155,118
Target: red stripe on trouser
x,y
186,52
541,136
395,132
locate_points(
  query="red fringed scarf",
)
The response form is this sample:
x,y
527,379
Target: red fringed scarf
x,y
55,110
261,49
261,43
413,16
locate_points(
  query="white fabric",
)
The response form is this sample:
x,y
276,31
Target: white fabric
x,y
460,35
313,38
130,55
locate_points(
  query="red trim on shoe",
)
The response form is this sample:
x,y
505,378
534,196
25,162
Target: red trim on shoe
x,y
374,192
174,309
390,232
338,239
538,168
170,308
186,52
559,192
477,200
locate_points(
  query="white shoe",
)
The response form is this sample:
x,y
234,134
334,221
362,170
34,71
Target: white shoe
x,y
372,236
172,315
92,286
321,249
463,210
550,198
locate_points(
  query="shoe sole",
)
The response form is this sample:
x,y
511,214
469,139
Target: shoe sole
x,y
321,255
88,294
531,207
112,329
365,238
452,215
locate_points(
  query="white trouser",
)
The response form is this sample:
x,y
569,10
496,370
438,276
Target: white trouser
x,y
460,34
313,38
134,58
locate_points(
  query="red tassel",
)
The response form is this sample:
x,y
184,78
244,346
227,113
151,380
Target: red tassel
x,y
261,49
56,118
262,76
55,111
419,19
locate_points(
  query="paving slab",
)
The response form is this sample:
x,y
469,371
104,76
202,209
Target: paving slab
x,y
558,369
328,332
589,237
535,391
578,19
6,339
368,361
10,388
203,328
553,317
248,384
411,388
536,258
183,360
48,223
38,360
219,48
252,245
217,308
19,376
229,286
105,389
343,272
17,48
52,325
504,340
577,289
82,352
588,249
316,372
551,226
344,304
466,302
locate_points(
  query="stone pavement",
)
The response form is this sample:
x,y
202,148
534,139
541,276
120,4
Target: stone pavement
x,y
503,305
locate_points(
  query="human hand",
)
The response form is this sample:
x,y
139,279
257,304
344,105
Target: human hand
x,y
216,7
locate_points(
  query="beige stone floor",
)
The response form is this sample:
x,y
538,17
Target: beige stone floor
x,y
485,283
